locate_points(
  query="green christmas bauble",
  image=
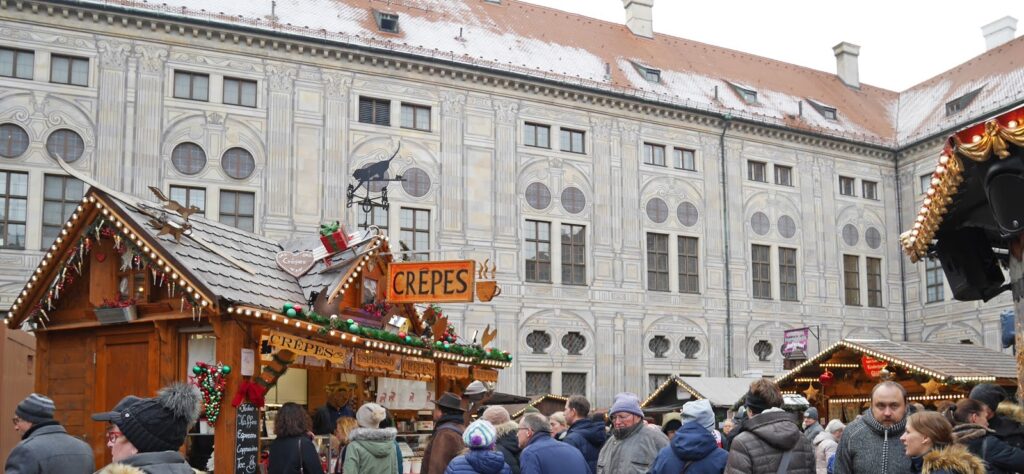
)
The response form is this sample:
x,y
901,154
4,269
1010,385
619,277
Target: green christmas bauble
x,y
225,369
350,321
288,306
197,370
291,312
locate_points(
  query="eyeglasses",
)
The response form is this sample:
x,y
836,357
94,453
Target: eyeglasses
x,y
622,416
16,420
113,435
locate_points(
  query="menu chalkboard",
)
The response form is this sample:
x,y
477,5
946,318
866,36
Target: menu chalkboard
x,y
247,437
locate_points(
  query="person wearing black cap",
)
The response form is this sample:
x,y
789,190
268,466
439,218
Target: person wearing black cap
x,y
145,433
1011,432
45,446
446,441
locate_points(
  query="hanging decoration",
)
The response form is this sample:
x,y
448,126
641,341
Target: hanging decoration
x,y
931,387
826,378
211,382
811,392
249,391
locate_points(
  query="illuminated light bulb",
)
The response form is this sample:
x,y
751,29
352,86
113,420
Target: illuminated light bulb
x,y
248,312
205,303
49,255
117,224
145,248
286,320
167,269
53,247
1012,124
298,324
23,293
34,278
273,317
943,159
29,286
79,208
63,232
258,314
976,138
106,212
93,199
152,254
68,224
59,240
346,286
231,309
174,276
332,333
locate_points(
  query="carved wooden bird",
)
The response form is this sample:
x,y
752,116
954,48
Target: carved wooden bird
x,y
174,206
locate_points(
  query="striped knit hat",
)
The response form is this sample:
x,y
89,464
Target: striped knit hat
x,y
479,435
35,409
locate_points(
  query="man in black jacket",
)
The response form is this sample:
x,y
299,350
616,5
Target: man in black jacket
x,y
584,434
507,430
1011,432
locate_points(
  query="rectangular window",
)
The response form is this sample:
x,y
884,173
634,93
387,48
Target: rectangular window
x,y
537,135
874,282
538,251
761,269
387,22
188,196
654,154
16,63
61,196
13,209
756,171
650,74
686,159
787,275
934,280
375,111
689,280
377,216
851,279
237,209
869,189
926,182
574,383
783,175
69,70
657,262
572,140
416,117
538,384
415,231
655,381
239,92
192,86
574,254
846,186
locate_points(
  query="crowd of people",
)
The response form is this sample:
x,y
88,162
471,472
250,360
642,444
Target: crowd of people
x,y
977,435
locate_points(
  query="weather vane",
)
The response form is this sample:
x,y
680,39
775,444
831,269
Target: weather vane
x,y
372,173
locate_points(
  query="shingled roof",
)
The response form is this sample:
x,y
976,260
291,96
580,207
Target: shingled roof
x,y
542,43
946,362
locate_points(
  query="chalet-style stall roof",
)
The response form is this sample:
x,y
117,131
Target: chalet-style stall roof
x,y
720,391
850,368
546,404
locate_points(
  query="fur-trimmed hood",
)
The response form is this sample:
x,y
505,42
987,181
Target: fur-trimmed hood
x,y
1012,411
506,427
371,434
954,458
966,432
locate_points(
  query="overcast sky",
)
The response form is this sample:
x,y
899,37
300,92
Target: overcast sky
x,y
903,42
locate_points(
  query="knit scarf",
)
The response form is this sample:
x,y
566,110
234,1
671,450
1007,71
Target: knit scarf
x,y
895,430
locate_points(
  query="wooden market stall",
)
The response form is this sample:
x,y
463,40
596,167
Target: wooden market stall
x,y
838,380
134,295
670,396
545,404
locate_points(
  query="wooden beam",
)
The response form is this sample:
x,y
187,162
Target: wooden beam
x,y
232,337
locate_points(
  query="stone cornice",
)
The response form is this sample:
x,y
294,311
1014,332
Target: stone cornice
x,y
293,43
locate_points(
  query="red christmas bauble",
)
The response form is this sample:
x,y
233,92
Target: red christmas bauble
x,y
826,378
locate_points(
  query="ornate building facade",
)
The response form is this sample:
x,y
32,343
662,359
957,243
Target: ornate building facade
x,y
646,218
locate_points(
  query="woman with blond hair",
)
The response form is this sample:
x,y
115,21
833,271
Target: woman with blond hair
x,y
558,425
339,441
929,444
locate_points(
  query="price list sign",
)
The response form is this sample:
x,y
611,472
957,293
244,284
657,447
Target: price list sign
x,y
247,438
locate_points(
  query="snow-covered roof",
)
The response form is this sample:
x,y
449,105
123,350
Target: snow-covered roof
x,y
544,43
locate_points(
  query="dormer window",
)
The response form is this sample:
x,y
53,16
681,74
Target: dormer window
x,y
825,110
387,22
961,103
747,93
649,74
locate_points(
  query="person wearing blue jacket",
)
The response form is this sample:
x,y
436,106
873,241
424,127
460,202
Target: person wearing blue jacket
x,y
693,449
542,454
584,434
479,437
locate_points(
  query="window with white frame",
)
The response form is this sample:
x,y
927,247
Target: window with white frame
x,y
934,280
239,92
536,135
787,274
189,196
869,189
191,85
415,232
574,254
572,140
874,282
689,279
847,186
657,262
61,196
783,175
537,251
757,171
13,209
69,70
17,63
238,209
654,154
685,159
416,117
761,271
851,280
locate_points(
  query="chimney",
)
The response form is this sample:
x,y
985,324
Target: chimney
x,y
846,63
639,18
998,32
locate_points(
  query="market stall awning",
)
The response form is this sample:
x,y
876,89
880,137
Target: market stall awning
x,y
946,363
720,391
546,404
972,205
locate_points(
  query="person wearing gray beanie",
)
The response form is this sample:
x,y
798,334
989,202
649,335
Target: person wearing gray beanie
x,y
812,427
45,445
631,448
